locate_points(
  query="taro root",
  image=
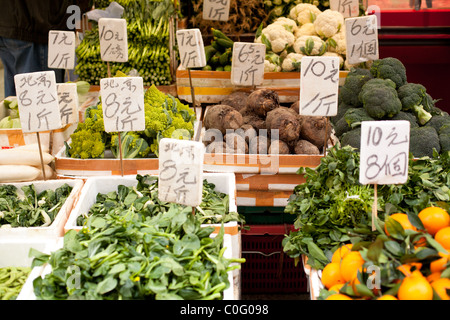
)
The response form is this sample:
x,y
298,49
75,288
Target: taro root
x,y
261,101
313,129
236,143
216,147
295,106
247,132
236,99
305,147
212,135
259,145
278,147
255,121
222,117
286,121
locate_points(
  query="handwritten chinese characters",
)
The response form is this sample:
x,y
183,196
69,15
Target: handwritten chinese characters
x,y
362,39
384,152
68,102
190,46
113,39
123,104
216,10
247,66
61,49
181,171
319,84
348,8
37,100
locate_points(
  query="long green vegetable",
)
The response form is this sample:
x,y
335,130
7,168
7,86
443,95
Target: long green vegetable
x,y
12,280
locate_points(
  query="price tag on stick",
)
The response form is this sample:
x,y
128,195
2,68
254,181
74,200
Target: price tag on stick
x,y
181,171
216,10
247,64
361,39
348,8
68,102
61,50
113,40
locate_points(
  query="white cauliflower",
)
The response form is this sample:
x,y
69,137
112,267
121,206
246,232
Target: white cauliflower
x,y
337,43
334,54
276,37
305,30
271,67
304,13
328,23
310,45
292,62
288,23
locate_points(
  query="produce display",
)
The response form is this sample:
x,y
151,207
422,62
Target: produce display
x,y
246,121
218,54
165,117
383,93
12,280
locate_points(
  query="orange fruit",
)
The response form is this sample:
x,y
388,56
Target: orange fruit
x,y
434,219
415,287
331,275
341,252
441,286
338,296
401,218
350,265
336,288
439,265
406,268
387,297
434,276
443,237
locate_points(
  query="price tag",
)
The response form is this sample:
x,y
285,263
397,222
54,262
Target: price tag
x,y
216,10
190,46
37,99
384,152
61,49
348,8
113,39
319,85
181,171
247,64
362,39
123,103
68,102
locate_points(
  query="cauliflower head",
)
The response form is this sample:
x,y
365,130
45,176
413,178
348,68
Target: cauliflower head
x,y
271,67
304,13
334,54
288,23
276,38
292,62
310,46
337,42
306,29
328,23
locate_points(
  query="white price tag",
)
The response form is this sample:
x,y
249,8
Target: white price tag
x,y
348,8
37,99
68,102
247,64
362,39
123,104
113,39
181,171
61,49
319,85
384,152
216,10
191,48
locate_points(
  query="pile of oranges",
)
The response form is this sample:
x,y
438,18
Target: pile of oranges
x,y
345,264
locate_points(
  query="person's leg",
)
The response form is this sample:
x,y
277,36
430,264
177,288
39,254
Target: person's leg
x,y
9,65
418,3
429,3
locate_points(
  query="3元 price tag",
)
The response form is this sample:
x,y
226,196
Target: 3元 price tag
x,y
319,85
61,49
37,99
192,51
247,64
216,10
384,152
348,8
181,171
123,104
362,39
68,102
113,39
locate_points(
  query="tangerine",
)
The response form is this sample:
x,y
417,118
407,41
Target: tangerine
x,y
434,219
338,296
337,287
415,287
441,286
331,275
350,265
434,276
341,252
401,218
439,265
443,237
387,297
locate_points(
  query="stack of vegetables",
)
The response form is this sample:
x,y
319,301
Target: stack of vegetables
x,y
218,54
132,247
165,117
382,92
148,44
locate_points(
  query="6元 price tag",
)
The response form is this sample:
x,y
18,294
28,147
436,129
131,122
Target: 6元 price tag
x,y
247,64
361,39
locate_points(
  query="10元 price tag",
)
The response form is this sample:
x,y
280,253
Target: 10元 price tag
x,y
113,39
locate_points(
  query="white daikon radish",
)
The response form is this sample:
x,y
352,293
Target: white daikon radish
x,y
49,172
34,147
18,173
25,157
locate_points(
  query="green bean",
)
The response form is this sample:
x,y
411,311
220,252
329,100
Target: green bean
x,y
12,280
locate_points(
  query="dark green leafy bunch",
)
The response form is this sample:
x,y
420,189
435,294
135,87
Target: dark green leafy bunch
x,y
28,208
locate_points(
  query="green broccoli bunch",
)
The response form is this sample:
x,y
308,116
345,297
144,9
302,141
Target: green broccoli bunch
x,y
380,99
414,98
389,68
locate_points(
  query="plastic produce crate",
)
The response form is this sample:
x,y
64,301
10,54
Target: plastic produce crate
x,y
267,268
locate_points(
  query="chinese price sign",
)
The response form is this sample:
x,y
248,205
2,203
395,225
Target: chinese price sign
x,y
362,39
348,8
384,152
319,85
123,103
61,49
181,171
113,39
190,46
247,64
37,99
68,102
216,10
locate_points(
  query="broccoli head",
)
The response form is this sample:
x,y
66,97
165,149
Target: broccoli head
x,y
355,116
341,127
380,99
389,68
402,115
438,121
350,90
423,140
352,138
341,110
444,140
414,98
